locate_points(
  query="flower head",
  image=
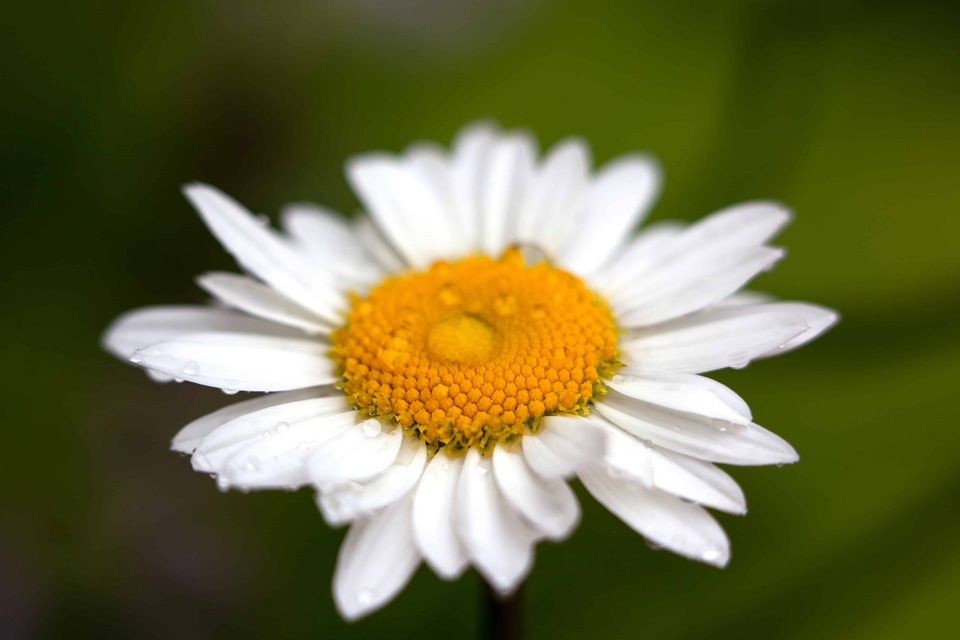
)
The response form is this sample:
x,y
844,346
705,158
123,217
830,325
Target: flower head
x,y
438,368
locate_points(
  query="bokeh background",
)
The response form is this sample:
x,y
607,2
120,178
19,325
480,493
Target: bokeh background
x,y
848,111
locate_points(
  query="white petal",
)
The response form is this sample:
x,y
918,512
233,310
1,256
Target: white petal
x,y
681,391
377,247
189,437
619,197
156,376
748,224
741,298
260,300
321,231
376,561
346,502
329,241
699,481
358,454
664,520
276,459
687,285
638,256
818,320
498,542
251,448
146,326
433,517
548,505
436,172
547,213
471,152
505,180
262,252
712,339
563,446
697,436
241,362
679,475
410,214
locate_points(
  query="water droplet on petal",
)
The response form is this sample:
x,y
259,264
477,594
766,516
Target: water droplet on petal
x,y
229,392
223,484
711,556
371,428
191,368
365,596
136,358
282,426
617,379
263,219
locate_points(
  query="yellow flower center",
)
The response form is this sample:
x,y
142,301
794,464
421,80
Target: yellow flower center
x,y
472,353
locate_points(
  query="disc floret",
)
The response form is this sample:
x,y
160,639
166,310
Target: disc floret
x,y
475,352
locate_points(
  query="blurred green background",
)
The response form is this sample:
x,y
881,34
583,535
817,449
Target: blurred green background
x,y
847,111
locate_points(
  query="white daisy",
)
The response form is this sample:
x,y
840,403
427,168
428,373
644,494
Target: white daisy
x,y
439,369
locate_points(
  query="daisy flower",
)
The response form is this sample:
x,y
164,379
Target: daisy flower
x,y
438,367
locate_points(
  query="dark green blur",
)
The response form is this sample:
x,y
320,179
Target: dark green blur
x,y
847,111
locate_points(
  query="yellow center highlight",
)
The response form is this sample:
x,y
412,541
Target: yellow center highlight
x,y
472,353
462,338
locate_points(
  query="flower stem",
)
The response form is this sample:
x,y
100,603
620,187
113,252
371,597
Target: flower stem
x,y
502,615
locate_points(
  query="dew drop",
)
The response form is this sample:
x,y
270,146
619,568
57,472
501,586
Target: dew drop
x,y
282,426
223,484
617,379
136,358
229,392
191,368
263,219
371,428
711,556
532,253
